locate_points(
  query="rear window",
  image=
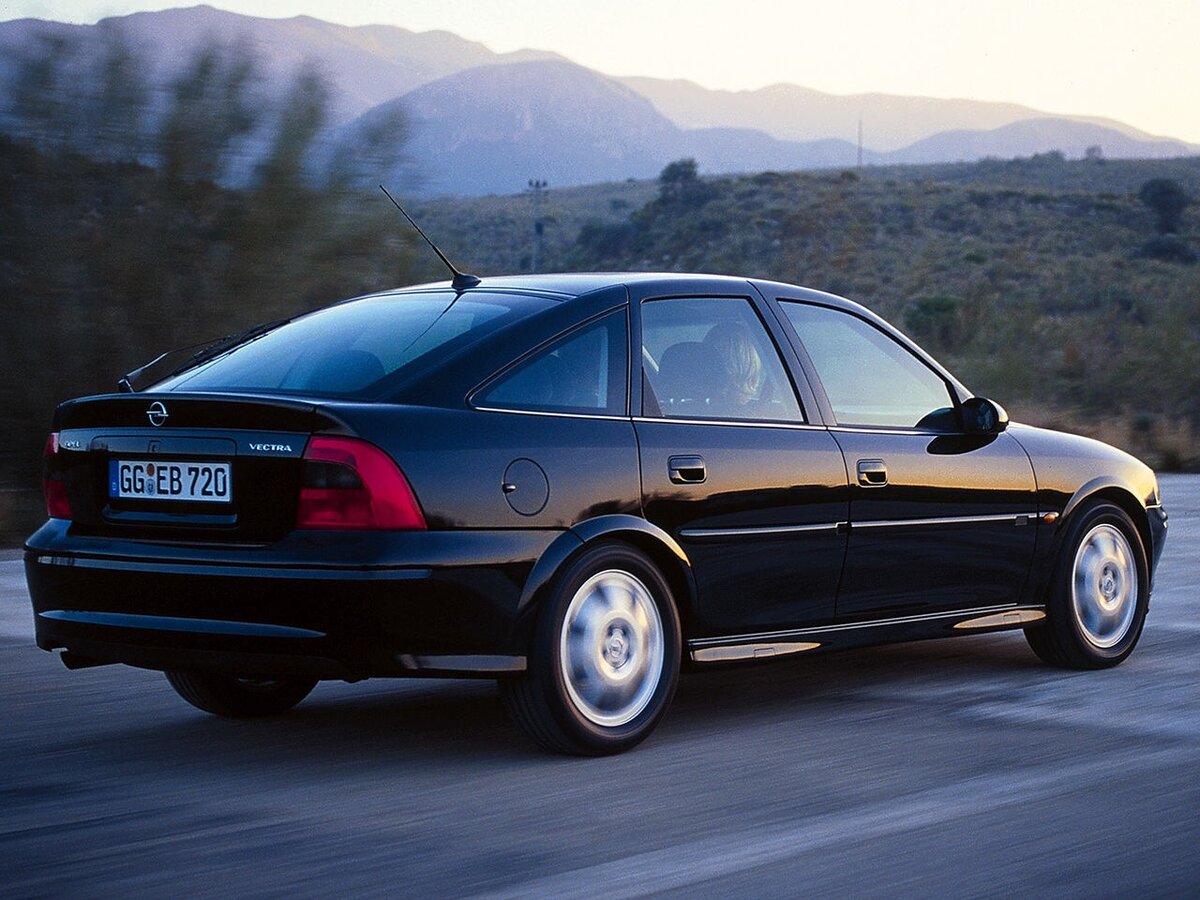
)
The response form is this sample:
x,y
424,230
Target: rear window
x,y
356,349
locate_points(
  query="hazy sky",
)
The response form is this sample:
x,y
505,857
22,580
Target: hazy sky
x,y
1133,60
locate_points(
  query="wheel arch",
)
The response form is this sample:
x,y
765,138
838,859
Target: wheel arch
x,y
1116,492
662,549
1060,639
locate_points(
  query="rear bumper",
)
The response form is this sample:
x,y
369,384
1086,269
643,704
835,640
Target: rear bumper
x,y
329,605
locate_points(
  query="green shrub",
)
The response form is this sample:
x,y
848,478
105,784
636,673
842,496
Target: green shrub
x,y
1168,248
938,321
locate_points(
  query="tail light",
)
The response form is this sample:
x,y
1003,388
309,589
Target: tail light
x,y
350,484
58,505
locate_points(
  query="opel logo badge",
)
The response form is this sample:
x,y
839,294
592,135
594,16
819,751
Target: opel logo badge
x,y
157,414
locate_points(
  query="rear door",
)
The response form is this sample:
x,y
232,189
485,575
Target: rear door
x,y
733,468
939,520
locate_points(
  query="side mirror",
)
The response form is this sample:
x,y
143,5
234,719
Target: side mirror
x,y
983,416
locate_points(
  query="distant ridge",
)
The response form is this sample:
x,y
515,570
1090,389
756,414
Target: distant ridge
x,y
1038,135
485,130
488,129
486,122
365,65
790,112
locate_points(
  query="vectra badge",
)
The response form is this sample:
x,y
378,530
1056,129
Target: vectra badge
x,y
157,414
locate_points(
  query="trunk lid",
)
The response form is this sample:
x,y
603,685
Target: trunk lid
x,y
194,468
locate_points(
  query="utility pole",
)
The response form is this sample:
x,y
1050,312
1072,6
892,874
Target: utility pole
x,y
860,141
537,187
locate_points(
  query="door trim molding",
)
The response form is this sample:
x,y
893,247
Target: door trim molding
x,y
972,615
1016,518
701,534
706,534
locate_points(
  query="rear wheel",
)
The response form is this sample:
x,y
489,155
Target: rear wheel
x,y
1098,598
240,697
605,656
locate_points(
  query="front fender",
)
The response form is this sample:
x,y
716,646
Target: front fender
x,y
1105,484
1125,495
1072,470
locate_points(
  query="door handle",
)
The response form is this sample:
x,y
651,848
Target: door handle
x,y
687,469
872,473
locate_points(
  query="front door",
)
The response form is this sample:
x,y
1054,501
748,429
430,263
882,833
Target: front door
x,y
939,520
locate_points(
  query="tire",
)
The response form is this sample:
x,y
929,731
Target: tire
x,y
605,656
1097,600
240,698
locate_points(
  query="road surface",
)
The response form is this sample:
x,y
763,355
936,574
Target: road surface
x,y
955,768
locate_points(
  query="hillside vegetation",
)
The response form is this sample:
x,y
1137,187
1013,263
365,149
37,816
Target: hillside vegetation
x,y
1024,277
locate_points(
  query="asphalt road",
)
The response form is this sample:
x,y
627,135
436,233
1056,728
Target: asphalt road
x,y
955,768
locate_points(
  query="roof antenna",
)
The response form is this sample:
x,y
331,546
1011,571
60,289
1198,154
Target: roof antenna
x,y
461,280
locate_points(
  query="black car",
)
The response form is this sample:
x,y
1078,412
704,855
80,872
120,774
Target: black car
x,y
573,484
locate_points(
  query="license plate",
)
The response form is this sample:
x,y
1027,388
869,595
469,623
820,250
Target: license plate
x,y
194,482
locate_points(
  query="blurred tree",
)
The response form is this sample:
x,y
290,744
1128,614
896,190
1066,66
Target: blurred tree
x,y
286,217
1167,198
301,117
213,106
372,152
42,104
115,112
107,262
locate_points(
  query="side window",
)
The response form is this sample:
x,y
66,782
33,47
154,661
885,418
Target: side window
x,y
869,378
711,358
583,372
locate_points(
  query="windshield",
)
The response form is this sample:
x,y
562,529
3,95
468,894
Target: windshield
x,y
351,348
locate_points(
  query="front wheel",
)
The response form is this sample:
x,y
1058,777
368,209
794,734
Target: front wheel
x,y
605,656
1097,602
240,697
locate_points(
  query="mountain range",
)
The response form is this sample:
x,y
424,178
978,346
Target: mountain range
x,y
486,122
